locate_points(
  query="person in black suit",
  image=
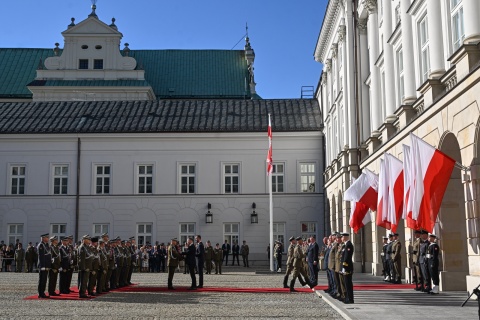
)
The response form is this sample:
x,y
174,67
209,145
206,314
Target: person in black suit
x,y
235,253
347,267
312,259
44,265
200,254
163,255
190,262
226,251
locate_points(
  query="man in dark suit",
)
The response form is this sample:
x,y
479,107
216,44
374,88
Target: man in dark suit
x,y
190,261
312,259
44,265
347,267
200,254
226,251
235,253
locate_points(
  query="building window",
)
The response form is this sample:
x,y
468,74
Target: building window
x,y
144,233
458,31
60,179
187,230
309,229
15,232
335,141
99,229
401,86
279,232
145,179
278,177
231,176
307,177
187,178
98,64
83,64
17,179
231,232
102,179
425,51
59,230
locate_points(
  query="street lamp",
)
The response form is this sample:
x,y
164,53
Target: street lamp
x,y
254,215
209,215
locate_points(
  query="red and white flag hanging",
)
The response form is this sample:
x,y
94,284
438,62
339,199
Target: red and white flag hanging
x,y
362,195
382,203
408,186
269,154
395,190
432,173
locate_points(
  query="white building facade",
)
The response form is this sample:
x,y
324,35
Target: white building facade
x,y
411,66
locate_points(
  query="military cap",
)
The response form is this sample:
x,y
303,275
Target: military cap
x,y
111,241
105,235
390,235
298,238
291,238
70,237
101,241
131,238
396,234
424,232
345,234
432,235
118,238
64,238
94,239
338,235
385,238
53,238
45,235
86,237
418,231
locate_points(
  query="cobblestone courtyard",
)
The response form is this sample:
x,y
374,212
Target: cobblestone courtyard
x,y
167,305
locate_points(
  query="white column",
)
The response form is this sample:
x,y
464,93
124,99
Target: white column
x,y
390,101
363,71
408,56
374,72
471,14
349,80
435,34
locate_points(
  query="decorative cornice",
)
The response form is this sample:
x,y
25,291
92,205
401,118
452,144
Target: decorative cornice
x,y
327,31
370,5
342,31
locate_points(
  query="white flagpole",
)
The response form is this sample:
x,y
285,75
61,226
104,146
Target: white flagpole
x,y
271,221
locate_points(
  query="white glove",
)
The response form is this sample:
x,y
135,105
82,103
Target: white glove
x,y
343,270
42,269
87,270
60,270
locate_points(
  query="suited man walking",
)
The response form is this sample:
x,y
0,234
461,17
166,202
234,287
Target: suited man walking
x,y
190,260
200,254
312,259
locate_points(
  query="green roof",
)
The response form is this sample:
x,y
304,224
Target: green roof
x,y
89,83
173,74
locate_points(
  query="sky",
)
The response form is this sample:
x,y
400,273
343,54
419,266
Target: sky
x,y
283,33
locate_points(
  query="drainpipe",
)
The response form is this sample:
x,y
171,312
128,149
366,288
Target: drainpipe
x,y
77,198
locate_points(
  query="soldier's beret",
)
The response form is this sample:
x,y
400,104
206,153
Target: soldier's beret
x,y
95,239
432,235
45,235
291,238
298,238
53,238
86,237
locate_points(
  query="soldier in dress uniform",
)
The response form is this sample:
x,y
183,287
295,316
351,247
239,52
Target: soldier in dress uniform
x,y
84,265
388,258
218,258
133,258
118,261
112,265
44,264
397,259
289,265
56,265
102,272
298,266
92,280
128,261
432,261
30,257
245,251
172,261
417,273
73,262
208,257
338,269
65,259
347,267
383,254
331,265
422,260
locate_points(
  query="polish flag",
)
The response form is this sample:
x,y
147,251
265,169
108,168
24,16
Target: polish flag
x,y
382,203
409,185
433,170
395,190
363,196
269,154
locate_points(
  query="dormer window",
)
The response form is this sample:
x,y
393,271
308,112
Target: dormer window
x,y
98,64
83,64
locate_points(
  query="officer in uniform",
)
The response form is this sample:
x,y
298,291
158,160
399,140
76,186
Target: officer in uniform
x,y
102,272
92,280
55,268
44,264
383,255
73,262
422,260
417,273
397,259
128,261
112,265
118,261
208,257
218,257
289,265
245,251
347,267
339,267
432,261
133,258
331,265
84,265
65,259
172,261
298,266
388,259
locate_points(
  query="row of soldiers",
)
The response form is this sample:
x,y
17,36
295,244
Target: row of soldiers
x,y
338,258
425,258
103,264
391,258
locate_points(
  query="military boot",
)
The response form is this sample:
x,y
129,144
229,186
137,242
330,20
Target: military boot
x,y
292,285
285,281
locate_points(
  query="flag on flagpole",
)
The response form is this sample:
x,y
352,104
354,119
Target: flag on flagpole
x,y
382,203
269,154
395,190
432,173
409,185
362,195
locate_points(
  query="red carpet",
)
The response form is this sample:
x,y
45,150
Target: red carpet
x,y
135,288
